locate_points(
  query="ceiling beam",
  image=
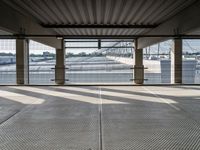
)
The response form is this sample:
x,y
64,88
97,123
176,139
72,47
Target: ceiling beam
x,y
183,23
100,26
42,36
17,23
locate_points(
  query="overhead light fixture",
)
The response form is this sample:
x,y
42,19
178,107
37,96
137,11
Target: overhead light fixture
x,y
59,37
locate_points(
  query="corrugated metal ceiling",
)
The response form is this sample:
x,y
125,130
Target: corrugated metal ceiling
x,y
102,12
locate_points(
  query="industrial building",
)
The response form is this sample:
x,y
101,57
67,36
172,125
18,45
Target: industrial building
x,y
99,75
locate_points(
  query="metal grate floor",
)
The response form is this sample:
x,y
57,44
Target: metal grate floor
x,y
95,118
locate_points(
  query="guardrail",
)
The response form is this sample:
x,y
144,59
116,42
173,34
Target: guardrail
x,y
7,77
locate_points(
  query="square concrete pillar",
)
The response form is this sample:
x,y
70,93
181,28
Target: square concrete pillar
x,y
176,61
22,54
60,66
138,67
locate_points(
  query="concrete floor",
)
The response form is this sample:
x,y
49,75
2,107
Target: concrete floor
x,y
95,118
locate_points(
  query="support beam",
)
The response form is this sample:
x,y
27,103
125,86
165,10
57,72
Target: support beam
x,y
22,52
50,41
183,23
18,23
60,66
106,26
139,67
176,62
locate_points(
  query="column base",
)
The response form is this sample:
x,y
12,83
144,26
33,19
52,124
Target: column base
x,y
139,74
60,75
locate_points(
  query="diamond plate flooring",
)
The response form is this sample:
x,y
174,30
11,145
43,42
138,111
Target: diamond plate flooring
x,y
99,118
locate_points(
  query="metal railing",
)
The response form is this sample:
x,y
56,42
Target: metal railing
x,y
40,77
7,77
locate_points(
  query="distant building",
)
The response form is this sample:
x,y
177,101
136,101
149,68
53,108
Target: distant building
x,y
46,54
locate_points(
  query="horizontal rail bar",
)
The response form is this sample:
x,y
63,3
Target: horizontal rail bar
x,y
138,79
59,79
101,47
122,40
41,71
59,68
156,54
1,71
93,72
139,68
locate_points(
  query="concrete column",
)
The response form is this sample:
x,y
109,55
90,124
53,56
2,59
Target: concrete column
x,y
60,66
138,67
176,61
22,52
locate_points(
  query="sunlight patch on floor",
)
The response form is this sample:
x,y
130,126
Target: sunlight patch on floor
x,y
21,98
69,96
